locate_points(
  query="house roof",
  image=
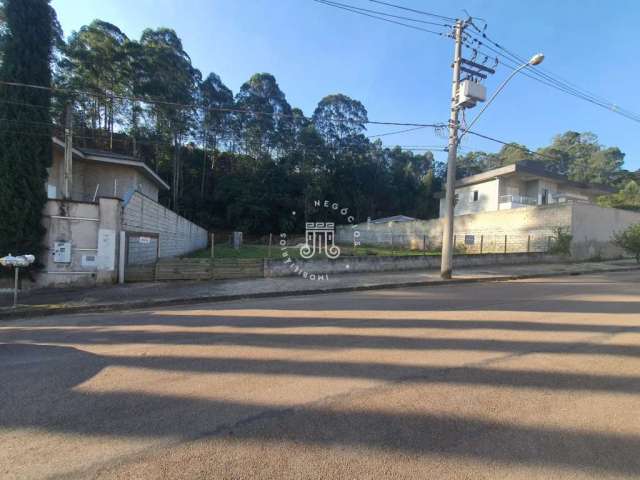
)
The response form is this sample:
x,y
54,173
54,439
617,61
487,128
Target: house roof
x,y
395,218
531,168
115,159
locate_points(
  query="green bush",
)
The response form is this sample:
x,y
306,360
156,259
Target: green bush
x,y
561,244
629,240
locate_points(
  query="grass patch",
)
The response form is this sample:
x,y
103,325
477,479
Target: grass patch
x,y
262,251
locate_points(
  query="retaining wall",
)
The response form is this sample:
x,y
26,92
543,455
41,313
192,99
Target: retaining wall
x,y
178,235
365,264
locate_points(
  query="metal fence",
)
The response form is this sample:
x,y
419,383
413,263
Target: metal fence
x,y
390,244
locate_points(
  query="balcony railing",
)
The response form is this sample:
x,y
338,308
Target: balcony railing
x,y
518,199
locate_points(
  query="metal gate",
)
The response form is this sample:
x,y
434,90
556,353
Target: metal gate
x,y
141,254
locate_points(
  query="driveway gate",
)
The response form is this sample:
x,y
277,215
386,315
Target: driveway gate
x,y
142,253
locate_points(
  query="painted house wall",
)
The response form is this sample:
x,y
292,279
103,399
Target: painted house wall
x,y
488,193
114,180
91,229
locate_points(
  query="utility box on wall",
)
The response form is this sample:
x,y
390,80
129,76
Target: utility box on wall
x,y
62,252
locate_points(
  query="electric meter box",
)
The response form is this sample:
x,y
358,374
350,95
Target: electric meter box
x,y
62,252
470,93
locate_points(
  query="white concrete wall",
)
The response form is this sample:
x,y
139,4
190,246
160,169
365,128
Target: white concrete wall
x,y
592,228
91,228
525,228
590,225
178,235
487,199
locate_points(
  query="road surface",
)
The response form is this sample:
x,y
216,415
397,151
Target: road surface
x,y
525,379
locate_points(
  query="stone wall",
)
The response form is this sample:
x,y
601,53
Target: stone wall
x,y
178,235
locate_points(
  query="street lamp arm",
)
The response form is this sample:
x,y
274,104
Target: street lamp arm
x,y
486,105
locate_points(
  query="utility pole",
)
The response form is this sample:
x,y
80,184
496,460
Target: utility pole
x,y
447,231
68,151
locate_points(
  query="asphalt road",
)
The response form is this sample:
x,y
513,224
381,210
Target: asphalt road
x,y
524,379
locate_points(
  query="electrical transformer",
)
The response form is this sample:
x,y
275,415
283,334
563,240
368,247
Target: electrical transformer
x,y
471,93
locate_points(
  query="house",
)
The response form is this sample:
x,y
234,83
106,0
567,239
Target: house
x,y
516,208
395,218
523,184
97,174
111,222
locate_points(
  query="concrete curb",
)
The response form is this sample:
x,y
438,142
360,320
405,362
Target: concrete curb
x,y
48,310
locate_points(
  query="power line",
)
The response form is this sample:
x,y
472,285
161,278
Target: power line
x,y
549,78
350,9
421,12
396,132
378,12
510,144
193,106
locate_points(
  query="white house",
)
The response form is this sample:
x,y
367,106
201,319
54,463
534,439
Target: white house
x,y
523,184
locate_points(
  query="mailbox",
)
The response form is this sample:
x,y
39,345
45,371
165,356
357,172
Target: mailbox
x,y
62,252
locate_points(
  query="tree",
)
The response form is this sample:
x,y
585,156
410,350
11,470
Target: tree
x,y
338,117
217,101
168,75
629,240
627,198
95,60
267,125
27,49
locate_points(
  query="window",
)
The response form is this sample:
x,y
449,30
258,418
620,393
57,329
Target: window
x,y
476,195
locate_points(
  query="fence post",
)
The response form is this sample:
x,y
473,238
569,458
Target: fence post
x,y
505,244
213,242
270,239
548,243
481,243
424,244
528,243
392,244
122,255
454,244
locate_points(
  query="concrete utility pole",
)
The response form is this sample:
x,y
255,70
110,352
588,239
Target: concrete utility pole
x,y
447,232
68,152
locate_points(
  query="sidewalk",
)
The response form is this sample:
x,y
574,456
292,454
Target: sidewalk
x,y
142,295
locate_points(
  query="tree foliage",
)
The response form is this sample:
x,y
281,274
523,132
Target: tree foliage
x,y
27,44
250,160
629,240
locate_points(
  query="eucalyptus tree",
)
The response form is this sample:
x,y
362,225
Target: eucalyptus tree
x,y
169,83
96,61
264,119
339,118
216,101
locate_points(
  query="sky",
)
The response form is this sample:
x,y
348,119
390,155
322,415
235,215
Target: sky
x,y
403,75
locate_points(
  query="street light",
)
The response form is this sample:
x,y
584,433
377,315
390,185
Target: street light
x,y
537,59
454,140
17,262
